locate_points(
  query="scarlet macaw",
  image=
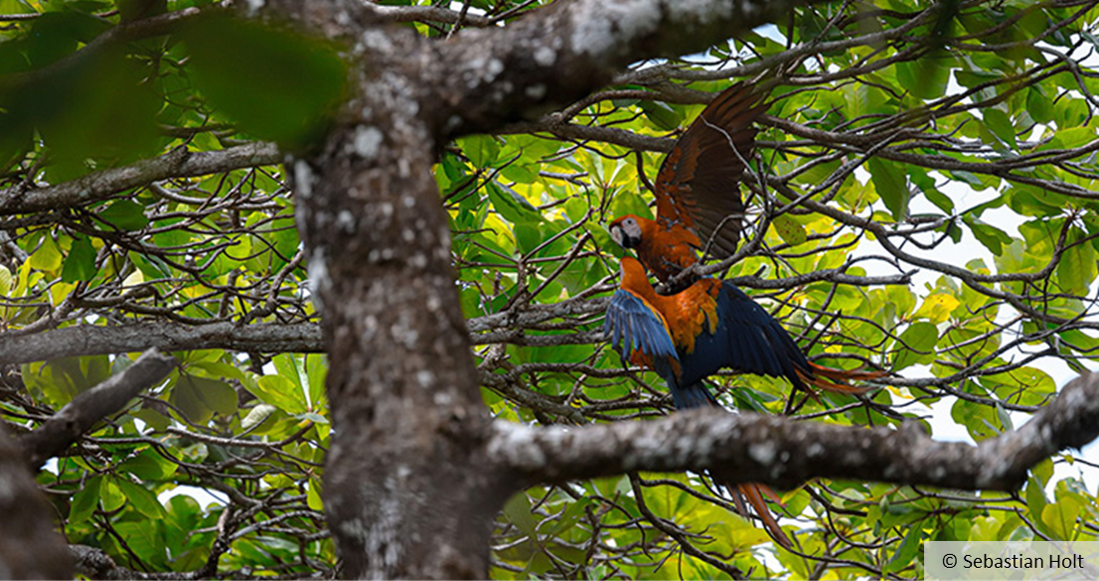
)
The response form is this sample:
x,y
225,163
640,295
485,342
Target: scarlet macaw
x,y
711,324
697,189
690,335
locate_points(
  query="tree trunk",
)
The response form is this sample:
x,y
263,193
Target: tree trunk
x,y
402,492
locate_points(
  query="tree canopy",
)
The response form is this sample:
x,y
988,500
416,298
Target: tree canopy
x,y
922,201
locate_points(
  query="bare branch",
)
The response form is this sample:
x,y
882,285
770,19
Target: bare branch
x,y
102,184
80,414
785,452
163,335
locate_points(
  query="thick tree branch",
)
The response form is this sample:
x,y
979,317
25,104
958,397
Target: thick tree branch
x,y
486,78
784,452
164,335
95,563
80,414
100,185
431,14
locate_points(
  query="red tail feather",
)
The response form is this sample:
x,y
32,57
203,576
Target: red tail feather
x,y
836,380
754,494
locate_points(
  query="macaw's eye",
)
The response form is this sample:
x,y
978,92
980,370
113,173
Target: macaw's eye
x,y
631,230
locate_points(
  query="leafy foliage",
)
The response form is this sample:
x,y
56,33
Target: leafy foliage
x,y
923,202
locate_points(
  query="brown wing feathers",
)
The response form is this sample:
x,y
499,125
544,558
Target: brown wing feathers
x,y
702,174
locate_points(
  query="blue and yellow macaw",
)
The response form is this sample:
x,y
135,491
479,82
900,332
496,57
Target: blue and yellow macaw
x,y
690,335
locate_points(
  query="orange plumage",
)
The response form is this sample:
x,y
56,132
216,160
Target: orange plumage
x,y
697,189
686,314
688,336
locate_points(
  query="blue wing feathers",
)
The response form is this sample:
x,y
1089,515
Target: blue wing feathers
x,y
633,325
747,339
772,351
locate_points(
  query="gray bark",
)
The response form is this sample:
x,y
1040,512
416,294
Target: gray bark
x,y
779,451
30,547
101,185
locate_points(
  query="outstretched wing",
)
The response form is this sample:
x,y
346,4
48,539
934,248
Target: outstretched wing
x,y
698,186
748,339
632,325
759,343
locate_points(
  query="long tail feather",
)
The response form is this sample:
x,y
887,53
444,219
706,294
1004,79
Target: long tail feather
x,y
696,395
836,380
754,495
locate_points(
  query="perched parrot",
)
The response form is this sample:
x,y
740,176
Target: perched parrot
x,y
712,324
697,189
690,335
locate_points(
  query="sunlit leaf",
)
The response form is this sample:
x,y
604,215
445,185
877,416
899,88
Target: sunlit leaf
x,y
917,344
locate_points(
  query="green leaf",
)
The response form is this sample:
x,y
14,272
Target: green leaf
x,y
257,415
1069,138
148,465
916,345
512,206
1038,105
99,107
1035,496
926,185
312,417
1060,517
906,551
110,496
1077,267
662,115
47,257
990,236
85,501
281,393
277,84
143,540
517,511
125,215
1000,124
789,229
5,281
80,263
1070,113
140,498
313,495
316,372
925,78
1004,417
937,307
200,397
482,150
891,185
